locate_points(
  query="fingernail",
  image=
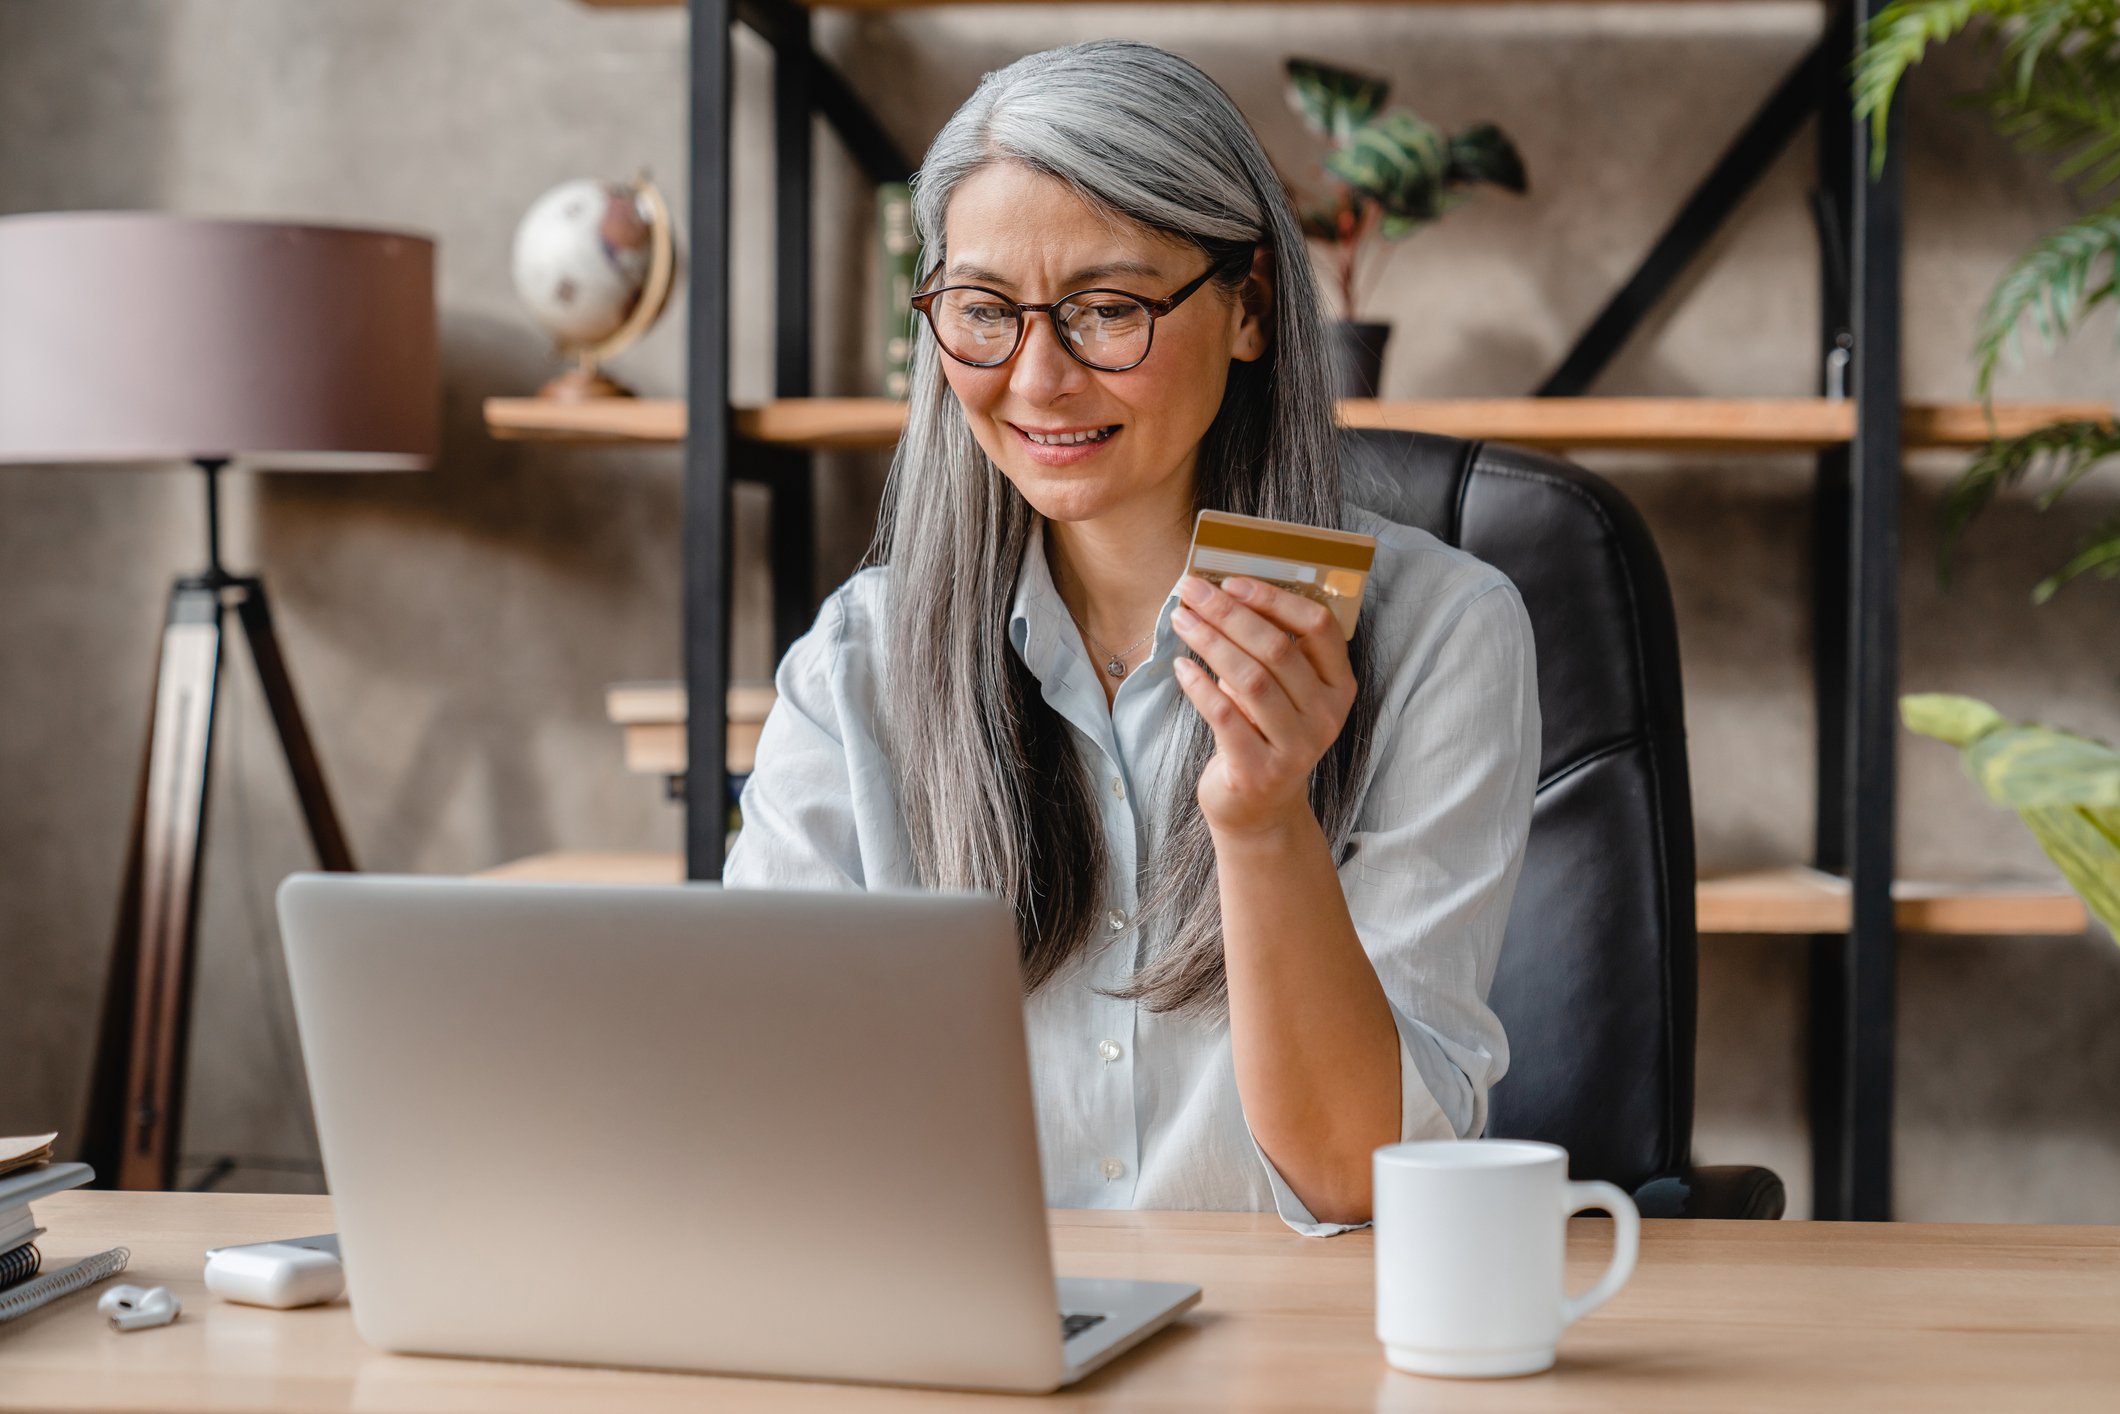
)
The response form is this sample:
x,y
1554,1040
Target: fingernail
x,y
1241,587
1194,590
1184,619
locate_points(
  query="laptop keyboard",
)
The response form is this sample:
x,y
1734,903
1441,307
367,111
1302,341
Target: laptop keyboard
x,y
1073,1325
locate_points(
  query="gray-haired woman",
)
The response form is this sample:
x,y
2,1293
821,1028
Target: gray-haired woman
x,y
1260,900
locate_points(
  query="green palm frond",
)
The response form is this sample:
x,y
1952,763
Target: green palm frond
x,y
2044,30
2070,105
1895,41
2099,554
2054,283
2063,451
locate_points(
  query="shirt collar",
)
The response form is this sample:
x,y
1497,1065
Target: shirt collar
x,y
1044,633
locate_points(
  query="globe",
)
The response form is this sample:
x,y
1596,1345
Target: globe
x,y
593,263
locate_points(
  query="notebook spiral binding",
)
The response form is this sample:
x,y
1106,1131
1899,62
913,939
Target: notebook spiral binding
x,y
20,1265
23,1299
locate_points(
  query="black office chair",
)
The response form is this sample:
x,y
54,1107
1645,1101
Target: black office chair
x,y
1596,984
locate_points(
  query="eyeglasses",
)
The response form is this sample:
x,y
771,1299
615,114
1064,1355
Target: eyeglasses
x,y
1108,330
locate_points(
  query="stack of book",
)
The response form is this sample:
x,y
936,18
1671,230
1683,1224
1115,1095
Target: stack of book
x,y
24,1163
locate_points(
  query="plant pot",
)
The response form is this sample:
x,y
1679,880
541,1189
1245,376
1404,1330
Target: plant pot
x,y
1357,357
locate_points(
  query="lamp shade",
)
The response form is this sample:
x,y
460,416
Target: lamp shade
x,y
142,336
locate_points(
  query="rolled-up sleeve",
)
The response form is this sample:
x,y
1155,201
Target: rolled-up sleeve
x,y
1434,860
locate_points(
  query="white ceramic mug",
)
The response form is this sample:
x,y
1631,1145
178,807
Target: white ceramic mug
x,y
1470,1236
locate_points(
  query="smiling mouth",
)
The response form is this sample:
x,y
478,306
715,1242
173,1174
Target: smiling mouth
x,y
1067,439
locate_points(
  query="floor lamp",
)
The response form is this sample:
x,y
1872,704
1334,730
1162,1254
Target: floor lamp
x,y
139,337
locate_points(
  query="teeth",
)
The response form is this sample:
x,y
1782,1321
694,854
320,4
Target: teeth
x,y
1068,439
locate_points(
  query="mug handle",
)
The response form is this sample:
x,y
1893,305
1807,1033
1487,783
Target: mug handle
x,y
1626,1244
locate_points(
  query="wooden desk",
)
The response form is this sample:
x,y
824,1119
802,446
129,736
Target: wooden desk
x,y
1720,1316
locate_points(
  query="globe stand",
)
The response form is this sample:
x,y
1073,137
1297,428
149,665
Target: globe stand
x,y
136,1099
582,383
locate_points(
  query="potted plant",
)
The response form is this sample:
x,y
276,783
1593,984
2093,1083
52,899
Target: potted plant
x,y
1394,172
2056,91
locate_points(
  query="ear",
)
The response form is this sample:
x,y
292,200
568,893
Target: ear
x,y
1255,327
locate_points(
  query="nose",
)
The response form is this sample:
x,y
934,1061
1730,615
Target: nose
x,y
1042,370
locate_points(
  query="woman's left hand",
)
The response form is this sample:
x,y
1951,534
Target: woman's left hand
x,y
1280,692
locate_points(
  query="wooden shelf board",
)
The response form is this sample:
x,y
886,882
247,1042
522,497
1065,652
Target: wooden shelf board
x,y
939,4
1805,901
1563,424
1772,901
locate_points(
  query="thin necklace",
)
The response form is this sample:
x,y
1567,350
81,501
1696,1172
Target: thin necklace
x,y
1114,663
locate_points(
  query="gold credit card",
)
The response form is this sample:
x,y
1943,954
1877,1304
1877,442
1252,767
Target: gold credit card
x,y
1330,566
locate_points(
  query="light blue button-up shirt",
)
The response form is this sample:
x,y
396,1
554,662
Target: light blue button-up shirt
x,y
1139,1109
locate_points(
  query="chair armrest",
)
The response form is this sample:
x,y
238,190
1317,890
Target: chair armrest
x,y
1719,1191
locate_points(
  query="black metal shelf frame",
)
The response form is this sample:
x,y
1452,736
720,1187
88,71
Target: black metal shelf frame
x,y
1855,533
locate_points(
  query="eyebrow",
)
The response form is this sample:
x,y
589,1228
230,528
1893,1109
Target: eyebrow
x,y
962,271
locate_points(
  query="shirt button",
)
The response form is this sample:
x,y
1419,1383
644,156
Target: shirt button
x,y
1110,1050
1117,920
1118,789
1112,1170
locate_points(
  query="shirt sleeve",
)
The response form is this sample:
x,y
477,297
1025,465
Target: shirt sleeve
x,y
1434,862
799,812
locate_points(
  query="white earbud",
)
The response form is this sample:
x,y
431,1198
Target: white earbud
x,y
135,1308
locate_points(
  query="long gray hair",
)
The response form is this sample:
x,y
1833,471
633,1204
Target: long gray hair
x,y
992,788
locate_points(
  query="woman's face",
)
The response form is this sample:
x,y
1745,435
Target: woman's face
x,y
1030,237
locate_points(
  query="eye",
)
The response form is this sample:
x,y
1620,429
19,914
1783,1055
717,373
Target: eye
x,y
985,313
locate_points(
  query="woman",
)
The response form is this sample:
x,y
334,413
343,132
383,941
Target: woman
x,y
1261,890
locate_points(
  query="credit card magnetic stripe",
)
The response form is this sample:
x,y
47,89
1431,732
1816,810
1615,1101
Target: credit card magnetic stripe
x,y
1348,554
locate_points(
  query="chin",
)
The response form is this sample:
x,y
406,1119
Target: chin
x,y
1057,497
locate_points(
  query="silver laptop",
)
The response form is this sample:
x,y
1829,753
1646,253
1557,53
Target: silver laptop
x,y
745,1132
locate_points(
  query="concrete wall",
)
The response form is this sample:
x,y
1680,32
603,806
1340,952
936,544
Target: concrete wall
x,y
451,633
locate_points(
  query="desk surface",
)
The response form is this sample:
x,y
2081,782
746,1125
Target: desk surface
x,y
1725,1316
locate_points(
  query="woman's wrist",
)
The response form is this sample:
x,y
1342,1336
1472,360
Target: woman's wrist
x,y
1267,837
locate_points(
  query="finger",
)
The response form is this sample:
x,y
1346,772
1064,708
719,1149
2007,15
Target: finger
x,y
1235,735
1317,631
1277,715
1274,646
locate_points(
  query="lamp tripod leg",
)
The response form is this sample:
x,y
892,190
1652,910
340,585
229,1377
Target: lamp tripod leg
x,y
137,1098
333,853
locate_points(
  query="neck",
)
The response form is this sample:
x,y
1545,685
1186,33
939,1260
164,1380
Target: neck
x,y
1115,573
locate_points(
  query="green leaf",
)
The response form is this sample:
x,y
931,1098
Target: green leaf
x,y
2029,766
2066,788
1484,153
2099,555
1333,101
2052,285
1400,161
1894,41
1948,717
2065,451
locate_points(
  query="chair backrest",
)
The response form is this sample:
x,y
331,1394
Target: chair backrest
x,y
1596,980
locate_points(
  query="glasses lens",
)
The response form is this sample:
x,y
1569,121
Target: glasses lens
x,y
974,325
1107,330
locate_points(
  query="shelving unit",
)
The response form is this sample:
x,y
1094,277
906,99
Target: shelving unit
x,y
1847,904
1562,424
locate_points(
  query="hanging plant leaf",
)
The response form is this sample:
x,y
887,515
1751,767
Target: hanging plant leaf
x,y
1334,102
1484,153
2066,788
1399,161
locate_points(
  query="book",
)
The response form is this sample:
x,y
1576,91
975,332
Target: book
x,y
25,1151
901,266
16,1227
18,1190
